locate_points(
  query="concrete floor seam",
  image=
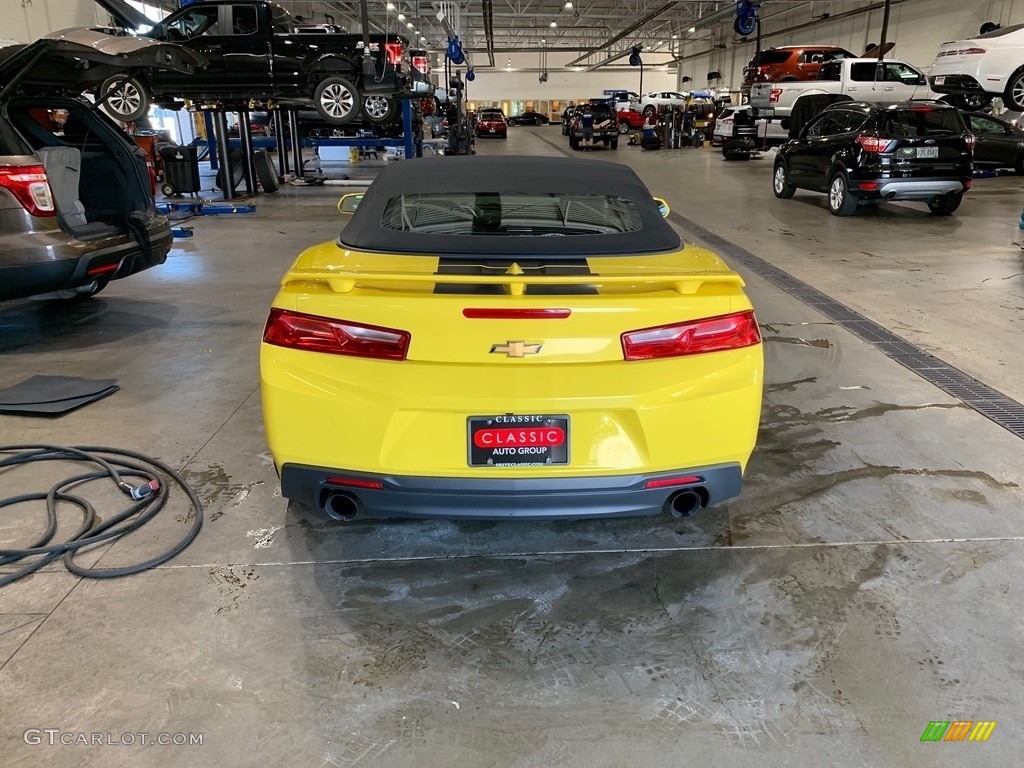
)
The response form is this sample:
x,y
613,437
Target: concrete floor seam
x,y
582,552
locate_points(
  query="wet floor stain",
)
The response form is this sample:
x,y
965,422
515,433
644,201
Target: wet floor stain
x,y
819,343
220,495
232,583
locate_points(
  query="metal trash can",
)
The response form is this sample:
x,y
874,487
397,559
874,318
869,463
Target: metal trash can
x,y
181,170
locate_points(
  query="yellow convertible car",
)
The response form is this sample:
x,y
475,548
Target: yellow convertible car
x,y
510,337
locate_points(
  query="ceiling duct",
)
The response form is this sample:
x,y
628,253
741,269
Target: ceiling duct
x,y
626,32
489,29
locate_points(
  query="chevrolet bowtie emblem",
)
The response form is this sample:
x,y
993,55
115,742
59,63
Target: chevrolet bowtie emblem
x,y
516,348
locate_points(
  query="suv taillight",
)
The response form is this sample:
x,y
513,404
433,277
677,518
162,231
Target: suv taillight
x,y
712,334
30,187
876,144
297,330
971,140
394,53
421,64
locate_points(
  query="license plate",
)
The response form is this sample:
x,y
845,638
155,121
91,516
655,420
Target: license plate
x,y
518,440
940,80
925,153
491,130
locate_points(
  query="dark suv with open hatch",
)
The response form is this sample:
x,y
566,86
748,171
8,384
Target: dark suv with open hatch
x,y
861,152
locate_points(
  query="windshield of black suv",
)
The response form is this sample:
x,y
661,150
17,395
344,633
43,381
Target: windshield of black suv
x,y
513,215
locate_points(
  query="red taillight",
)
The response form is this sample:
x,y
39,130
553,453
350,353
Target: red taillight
x,y
355,482
712,334
669,482
868,186
29,185
971,140
296,330
422,64
967,183
394,53
482,313
876,144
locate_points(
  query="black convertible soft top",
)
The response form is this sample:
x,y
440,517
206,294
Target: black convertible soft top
x,y
508,175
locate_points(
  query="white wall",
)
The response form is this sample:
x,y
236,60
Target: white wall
x,y
916,26
28,20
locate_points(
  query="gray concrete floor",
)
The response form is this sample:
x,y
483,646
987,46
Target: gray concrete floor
x,y
867,581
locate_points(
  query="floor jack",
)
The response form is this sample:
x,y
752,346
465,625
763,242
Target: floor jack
x,y
186,209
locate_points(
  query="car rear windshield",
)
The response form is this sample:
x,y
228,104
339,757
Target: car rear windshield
x,y
491,114
511,215
919,122
1001,31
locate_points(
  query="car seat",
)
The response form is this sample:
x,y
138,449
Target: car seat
x,y
64,170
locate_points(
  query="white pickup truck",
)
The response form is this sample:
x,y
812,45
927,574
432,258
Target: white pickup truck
x,y
858,79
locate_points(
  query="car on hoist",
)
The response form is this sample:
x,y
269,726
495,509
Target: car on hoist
x,y
510,337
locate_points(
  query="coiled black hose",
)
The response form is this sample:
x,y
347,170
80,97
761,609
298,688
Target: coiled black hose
x,y
114,463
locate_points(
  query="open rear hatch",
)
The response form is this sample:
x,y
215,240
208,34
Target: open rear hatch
x,y
100,182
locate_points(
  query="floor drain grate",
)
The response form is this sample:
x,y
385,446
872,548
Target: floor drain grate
x,y
989,402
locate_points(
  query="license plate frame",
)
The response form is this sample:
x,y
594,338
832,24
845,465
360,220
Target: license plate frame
x,y
526,440
927,153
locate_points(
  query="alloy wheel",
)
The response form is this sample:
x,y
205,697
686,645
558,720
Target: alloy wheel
x,y
337,101
126,99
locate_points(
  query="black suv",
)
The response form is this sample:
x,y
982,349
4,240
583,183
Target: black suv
x,y
866,152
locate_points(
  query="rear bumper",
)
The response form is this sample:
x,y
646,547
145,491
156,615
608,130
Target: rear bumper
x,y
41,262
958,84
914,189
503,499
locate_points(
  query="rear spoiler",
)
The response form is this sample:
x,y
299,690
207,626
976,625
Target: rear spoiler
x,y
686,284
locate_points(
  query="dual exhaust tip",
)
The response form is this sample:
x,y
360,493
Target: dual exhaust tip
x,y
344,507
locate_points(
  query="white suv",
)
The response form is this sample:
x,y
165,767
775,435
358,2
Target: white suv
x,y
651,102
979,68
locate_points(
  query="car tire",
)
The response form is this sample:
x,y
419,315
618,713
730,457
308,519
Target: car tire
x,y
168,189
614,144
265,173
1018,164
623,128
780,181
1013,97
379,109
129,100
336,100
841,202
946,205
649,110
736,149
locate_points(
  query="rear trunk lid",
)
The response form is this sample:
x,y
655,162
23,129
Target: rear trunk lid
x,y
513,311
925,141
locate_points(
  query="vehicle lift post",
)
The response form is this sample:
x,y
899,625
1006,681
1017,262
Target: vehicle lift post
x,y
224,149
248,164
282,148
293,125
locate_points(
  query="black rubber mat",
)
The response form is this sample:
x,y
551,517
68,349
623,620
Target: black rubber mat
x,y
989,402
